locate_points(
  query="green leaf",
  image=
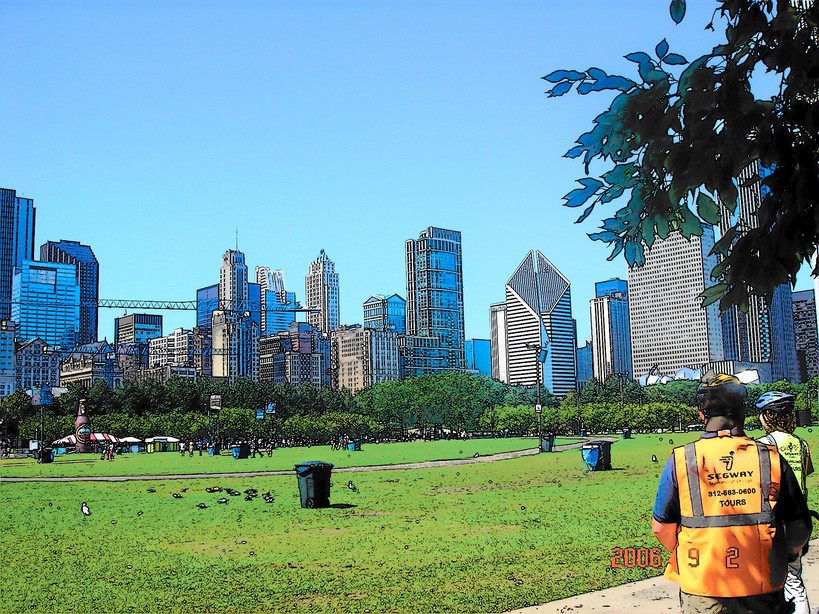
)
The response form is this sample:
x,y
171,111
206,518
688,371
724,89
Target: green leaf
x,y
713,294
635,254
662,49
674,58
564,75
586,214
677,10
613,224
690,225
605,236
579,196
612,82
707,209
575,152
662,227
560,89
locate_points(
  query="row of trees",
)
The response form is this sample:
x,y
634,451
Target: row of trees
x,y
431,405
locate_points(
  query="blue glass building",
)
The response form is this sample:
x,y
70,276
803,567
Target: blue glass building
x,y
435,303
46,302
478,356
611,330
386,313
207,301
17,217
88,277
277,316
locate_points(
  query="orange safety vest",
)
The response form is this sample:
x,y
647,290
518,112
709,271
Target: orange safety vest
x,y
728,544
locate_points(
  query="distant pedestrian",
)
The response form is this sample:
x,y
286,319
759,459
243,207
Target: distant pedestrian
x,y
190,447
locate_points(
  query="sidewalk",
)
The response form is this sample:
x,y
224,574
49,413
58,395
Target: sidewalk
x,y
655,595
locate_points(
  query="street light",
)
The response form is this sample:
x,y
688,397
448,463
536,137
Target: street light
x,y
620,379
540,358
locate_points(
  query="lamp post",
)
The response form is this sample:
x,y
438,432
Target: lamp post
x,y
540,358
620,379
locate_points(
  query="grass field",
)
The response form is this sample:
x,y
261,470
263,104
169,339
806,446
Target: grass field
x,y
168,463
482,537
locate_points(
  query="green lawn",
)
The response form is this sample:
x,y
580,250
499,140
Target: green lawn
x,y
168,463
483,537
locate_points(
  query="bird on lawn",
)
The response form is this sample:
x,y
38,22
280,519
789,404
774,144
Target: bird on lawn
x,y
84,508
152,490
653,458
352,486
222,500
671,441
176,495
201,506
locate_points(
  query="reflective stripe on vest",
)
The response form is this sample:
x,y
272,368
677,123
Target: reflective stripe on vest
x,y
728,488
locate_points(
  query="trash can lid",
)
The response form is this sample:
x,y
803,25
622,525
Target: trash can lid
x,y
314,464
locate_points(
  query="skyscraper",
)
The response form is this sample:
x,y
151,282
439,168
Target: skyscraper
x,y
669,327
478,357
386,313
538,315
610,330
132,332
435,303
46,302
235,340
17,217
362,357
498,342
137,328
88,278
276,302
765,333
321,292
807,342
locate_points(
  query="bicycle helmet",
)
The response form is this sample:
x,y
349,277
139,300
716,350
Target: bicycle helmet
x,y
721,395
776,402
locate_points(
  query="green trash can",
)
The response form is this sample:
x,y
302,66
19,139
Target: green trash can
x,y
547,442
314,483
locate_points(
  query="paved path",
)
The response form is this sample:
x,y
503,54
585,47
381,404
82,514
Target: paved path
x,y
418,465
655,595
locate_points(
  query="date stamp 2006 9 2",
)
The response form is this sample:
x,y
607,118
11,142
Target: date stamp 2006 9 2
x,y
636,557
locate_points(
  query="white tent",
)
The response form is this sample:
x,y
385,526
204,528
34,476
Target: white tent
x,y
161,438
71,440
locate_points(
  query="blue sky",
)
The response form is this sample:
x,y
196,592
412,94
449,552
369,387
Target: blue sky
x,y
156,131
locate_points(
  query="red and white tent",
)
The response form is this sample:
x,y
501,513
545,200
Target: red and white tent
x,y
71,440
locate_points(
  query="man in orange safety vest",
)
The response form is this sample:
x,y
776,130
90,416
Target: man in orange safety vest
x,y
730,511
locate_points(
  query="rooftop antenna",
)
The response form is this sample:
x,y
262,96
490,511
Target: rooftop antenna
x,y
237,238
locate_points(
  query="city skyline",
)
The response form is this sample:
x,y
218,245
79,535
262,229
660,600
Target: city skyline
x,y
340,127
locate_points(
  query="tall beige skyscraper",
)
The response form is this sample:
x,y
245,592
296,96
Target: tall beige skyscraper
x,y
321,292
235,339
669,327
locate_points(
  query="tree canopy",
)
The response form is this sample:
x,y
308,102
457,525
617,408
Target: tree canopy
x,y
675,140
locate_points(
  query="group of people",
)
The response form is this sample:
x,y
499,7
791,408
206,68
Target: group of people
x,y
733,511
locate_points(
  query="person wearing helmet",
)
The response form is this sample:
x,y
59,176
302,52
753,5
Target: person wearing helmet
x,y
730,511
777,416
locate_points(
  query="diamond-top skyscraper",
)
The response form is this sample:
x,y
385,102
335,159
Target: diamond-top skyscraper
x,y
537,313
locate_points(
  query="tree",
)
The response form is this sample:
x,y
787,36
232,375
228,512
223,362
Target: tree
x,y
674,142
